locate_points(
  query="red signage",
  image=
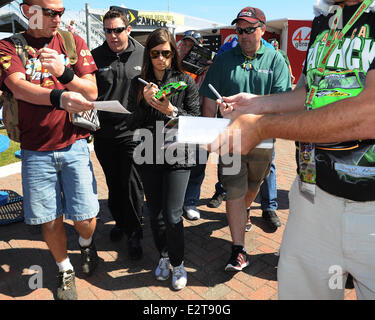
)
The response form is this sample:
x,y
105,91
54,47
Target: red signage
x,y
299,32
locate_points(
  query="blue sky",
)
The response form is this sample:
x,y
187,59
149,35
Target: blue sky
x,y
223,11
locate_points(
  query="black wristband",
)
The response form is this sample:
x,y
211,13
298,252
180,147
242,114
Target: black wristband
x,y
67,76
55,97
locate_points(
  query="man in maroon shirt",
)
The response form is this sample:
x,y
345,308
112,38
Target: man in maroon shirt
x,y
57,175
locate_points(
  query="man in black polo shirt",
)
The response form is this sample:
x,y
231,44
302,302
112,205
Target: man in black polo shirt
x,y
119,59
331,226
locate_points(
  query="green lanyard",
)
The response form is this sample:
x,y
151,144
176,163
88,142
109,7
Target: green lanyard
x,y
307,168
331,45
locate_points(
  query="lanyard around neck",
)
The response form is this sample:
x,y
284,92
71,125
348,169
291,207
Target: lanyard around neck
x,y
332,41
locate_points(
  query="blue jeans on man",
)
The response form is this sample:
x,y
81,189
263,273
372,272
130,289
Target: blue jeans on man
x,y
268,190
268,197
193,190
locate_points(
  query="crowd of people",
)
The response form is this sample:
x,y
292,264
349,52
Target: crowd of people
x,y
332,202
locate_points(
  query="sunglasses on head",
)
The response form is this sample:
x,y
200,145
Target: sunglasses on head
x,y
115,30
194,34
154,54
53,13
248,30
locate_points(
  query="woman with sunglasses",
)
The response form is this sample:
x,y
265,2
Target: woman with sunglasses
x,y
164,184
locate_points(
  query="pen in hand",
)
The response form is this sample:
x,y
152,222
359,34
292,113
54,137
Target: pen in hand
x,y
143,81
217,94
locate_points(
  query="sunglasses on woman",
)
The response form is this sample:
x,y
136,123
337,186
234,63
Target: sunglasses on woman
x,y
115,30
248,30
154,54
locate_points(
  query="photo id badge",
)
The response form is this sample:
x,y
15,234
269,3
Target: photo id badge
x,y
307,170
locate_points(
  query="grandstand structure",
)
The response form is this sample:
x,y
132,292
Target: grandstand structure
x,y
88,22
87,25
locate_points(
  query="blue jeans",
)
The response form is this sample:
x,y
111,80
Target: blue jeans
x,y
268,189
59,182
193,190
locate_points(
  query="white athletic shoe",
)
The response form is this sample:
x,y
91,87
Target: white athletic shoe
x,y
163,269
179,277
192,213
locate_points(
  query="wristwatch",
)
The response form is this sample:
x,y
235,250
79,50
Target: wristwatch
x,y
174,112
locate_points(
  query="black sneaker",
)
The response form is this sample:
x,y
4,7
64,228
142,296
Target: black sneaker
x,y
89,259
116,234
238,259
248,222
134,247
216,200
66,289
272,219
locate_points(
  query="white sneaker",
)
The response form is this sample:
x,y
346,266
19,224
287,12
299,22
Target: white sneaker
x,y
163,269
179,277
192,213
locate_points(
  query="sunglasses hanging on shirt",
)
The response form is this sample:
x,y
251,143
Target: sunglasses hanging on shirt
x,y
247,65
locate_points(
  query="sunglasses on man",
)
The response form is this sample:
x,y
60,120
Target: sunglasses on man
x,y
53,13
47,12
154,54
248,30
194,34
115,30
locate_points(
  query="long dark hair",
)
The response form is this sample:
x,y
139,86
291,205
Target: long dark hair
x,y
157,37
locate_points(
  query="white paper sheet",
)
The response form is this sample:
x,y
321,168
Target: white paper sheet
x,y
110,106
203,130
200,130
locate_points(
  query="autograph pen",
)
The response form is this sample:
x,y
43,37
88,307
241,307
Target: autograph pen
x,y
143,81
217,94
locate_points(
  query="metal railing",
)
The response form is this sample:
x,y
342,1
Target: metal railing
x,y
11,14
88,26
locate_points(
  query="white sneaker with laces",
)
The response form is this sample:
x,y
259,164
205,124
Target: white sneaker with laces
x,y
192,213
179,277
163,269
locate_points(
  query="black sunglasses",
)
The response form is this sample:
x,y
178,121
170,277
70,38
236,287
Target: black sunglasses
x,y
53,13
248,30
47,12
194,34
154,54
115,30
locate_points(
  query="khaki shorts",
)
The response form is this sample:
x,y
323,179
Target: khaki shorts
x,y
255,167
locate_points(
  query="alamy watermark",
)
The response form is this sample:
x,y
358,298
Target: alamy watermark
x,y
35,14
36,280
161,147
336,281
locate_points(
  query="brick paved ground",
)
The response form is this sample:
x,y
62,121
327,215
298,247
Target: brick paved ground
x,y
208,244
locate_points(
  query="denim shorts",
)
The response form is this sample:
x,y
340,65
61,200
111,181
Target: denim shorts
x,y
59,182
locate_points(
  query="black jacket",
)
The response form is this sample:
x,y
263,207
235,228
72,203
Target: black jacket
x,y
113,78
144,116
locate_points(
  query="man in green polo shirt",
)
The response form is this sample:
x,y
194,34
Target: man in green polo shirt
x,y
253,68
